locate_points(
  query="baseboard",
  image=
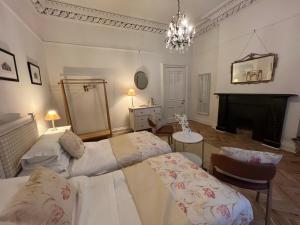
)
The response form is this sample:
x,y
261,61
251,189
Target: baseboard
x,y
121,130
288,146
209,123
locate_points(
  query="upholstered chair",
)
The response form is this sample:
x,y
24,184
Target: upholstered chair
x,y
247,175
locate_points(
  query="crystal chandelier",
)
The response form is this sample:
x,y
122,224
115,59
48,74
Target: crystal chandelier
x,y
180,34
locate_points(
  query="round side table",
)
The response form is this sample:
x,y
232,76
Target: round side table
x,y
188,138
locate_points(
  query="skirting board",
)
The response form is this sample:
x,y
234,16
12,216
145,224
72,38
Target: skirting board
x,y
121,130
288,146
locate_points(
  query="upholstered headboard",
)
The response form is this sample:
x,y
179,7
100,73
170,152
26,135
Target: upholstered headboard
x,y
16,138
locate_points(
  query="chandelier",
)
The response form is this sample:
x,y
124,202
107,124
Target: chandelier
x,y
179,34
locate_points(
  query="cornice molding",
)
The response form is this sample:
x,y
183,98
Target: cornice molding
x,y
228,9
78,13
74,12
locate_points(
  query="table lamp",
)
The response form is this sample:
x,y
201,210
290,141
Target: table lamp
x,y
52,115
131,93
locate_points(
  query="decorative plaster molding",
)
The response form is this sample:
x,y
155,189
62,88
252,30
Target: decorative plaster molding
x,y
74,12
221,13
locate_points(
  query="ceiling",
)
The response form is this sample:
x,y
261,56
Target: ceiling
x,y
156,10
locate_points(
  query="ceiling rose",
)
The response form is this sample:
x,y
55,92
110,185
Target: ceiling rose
x,y
180,33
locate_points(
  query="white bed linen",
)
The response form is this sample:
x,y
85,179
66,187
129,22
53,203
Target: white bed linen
x,y
97,159
102,200
106,200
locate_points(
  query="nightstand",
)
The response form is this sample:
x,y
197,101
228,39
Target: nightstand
x,y
58,130
138,116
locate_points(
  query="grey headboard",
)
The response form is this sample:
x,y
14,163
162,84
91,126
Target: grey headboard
x,y
16,138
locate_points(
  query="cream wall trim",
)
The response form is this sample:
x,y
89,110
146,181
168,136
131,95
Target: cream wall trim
x,y
83,14
225,10
73,12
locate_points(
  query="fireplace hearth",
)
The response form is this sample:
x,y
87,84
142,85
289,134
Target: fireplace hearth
x,y
262,113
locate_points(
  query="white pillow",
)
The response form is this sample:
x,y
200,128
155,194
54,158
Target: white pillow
x,y
58,164
251,156
46,152
46,147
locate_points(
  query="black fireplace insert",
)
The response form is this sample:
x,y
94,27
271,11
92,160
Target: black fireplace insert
x,y
262,113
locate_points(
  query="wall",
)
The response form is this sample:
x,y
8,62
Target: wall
x,y
23,97
117,66
204,60
277,24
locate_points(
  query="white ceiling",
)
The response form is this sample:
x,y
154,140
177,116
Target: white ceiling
x,y
156,10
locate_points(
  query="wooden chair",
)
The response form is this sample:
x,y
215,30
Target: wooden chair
x,y
166,130
245,175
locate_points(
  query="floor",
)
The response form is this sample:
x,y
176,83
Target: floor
x,y
286,188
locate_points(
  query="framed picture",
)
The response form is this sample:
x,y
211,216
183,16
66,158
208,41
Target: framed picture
x,y
254,68
8,66
35,75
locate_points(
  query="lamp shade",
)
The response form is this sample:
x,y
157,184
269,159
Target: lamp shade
x,y
131,92
52,115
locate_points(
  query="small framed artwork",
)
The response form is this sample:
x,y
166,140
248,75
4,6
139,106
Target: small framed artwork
x,y
8,66
34,72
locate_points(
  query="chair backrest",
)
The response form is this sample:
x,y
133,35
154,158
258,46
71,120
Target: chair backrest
x,y
151,124
251,171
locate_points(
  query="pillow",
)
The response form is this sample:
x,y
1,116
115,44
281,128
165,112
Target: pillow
x,y
47,148
46,198
251,156
59,164
72,144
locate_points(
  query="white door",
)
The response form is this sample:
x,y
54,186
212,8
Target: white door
x,y
174,91
204,93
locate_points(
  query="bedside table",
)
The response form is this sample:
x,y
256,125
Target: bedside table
x,y
138,116
58,130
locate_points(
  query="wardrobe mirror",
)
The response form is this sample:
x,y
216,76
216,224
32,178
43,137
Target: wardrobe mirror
x,y
140,80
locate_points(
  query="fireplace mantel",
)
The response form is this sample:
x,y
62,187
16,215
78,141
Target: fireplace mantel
x,y
278,95
262,113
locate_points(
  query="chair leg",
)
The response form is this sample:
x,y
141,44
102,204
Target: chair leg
x,y
269,204
257,196
169,140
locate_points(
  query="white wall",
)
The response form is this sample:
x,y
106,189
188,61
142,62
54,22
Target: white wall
x,y
117,66
204,60
277,24
23,97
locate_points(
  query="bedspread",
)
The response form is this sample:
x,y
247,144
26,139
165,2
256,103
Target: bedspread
x,y
203,198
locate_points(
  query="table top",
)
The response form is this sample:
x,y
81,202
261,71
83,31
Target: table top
x,y
188,138
58,130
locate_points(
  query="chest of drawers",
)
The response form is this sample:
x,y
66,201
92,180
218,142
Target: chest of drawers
x,y
138,116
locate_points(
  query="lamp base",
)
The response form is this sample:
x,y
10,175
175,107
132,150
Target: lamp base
x,y
53,126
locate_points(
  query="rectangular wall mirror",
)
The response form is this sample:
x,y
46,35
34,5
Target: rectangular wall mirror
x,y
254,68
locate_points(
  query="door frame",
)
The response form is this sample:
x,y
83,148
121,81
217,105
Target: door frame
x,y
163,72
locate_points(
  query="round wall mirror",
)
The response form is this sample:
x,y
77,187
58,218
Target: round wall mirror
x,y
140,80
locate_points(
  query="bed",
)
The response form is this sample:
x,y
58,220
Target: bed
x,y
18,136
163,190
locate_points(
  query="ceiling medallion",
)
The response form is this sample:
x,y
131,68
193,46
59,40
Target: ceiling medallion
x,y
179,34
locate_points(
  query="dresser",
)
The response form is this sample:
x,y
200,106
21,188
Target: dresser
x,y
138,116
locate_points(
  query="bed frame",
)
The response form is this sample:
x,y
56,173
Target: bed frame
x,y
16,138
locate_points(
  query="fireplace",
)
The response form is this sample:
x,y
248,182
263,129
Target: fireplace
x,y
261,113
